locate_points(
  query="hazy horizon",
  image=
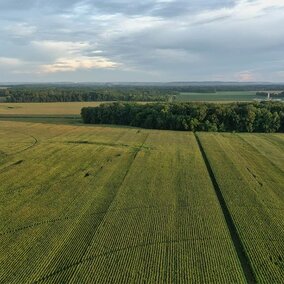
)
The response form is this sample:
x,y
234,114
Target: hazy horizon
x,y
159,41
144,82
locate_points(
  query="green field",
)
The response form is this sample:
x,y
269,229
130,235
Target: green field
x,y
84,204
240,96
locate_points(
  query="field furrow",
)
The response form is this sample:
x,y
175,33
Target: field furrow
x,y
94,204
253,190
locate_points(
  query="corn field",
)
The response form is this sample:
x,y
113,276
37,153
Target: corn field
x,y
89,204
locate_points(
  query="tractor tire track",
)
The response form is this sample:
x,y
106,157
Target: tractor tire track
x,y
56,219
27,148
239,247
127,248
10,166
263,156
127,209
73,217
100,222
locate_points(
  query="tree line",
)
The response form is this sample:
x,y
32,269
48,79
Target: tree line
x,y
86,94
239,117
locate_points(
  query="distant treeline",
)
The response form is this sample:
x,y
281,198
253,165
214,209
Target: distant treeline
x,y
225,88
221,88
272,94
105,92
85,94
239,117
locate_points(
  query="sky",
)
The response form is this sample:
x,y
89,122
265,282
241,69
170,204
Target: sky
x,y
141,41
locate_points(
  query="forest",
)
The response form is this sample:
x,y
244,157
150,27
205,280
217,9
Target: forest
x,y
81,94
265,117
167,92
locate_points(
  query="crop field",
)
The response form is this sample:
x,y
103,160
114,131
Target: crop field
x,y
59,112
35,109
240,96
94,204
250,172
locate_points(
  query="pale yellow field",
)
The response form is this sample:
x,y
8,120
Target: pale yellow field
x,y
68,108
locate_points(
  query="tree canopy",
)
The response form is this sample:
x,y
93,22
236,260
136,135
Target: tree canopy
x,y
73,94
240,117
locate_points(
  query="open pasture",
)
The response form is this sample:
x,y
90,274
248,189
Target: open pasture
x,y
84,204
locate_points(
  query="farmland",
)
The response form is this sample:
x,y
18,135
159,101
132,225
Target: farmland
x,y
57,112
220,96
94,204
44,109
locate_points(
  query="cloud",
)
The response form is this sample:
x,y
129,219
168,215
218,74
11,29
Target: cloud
x,y
75,63
160,39
11,62
19,29
61,47
245,76
69,56
15,66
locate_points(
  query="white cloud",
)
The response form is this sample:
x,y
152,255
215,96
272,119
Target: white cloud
x,y
76,63
176,39
10,62
61,47
242,10
16,66
211,16
69,56
19,29
246,9
245,76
